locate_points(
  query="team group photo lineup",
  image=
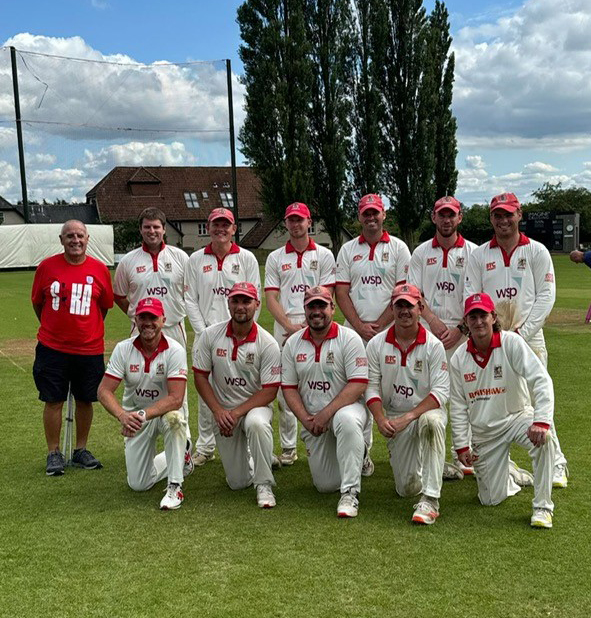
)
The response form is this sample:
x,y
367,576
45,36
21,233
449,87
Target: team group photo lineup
x,y
444,344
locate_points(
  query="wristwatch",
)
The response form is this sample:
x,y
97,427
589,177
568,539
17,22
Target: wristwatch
x,y
463,329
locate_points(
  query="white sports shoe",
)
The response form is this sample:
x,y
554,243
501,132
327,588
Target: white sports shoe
x,y
200,459
452,471
275,462
173,498
348,505
288,456
521,476
466,470
541,518
425,513
560,478
188,466
368,467
265,496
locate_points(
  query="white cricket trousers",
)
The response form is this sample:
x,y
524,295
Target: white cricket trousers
x,y
448,354
335,458
288,423
144,467
417,455
205,423
492,467
252,436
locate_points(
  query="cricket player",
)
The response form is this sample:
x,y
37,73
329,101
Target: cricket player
x,y
368,268
517,272
153,369
71,295
244,362
438,269
407,394
490,379
210,274
324,377
289,272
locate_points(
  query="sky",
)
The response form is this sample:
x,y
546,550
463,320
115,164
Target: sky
x,y
522,93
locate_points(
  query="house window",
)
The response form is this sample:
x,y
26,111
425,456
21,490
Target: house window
x,y
204,195
191,200
312,229
227,201
202,229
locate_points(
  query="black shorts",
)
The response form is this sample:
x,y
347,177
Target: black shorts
x,y
54,371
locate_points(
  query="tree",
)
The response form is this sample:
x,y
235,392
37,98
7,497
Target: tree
x,y
277,76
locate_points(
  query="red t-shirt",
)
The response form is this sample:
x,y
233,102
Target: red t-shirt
x,y
72,296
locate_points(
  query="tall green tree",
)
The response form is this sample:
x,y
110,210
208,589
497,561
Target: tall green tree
x,y
278,76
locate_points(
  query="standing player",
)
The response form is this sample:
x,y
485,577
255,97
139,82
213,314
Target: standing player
x,y
492,377
210,274
245,366
154,372
517,272
289,272
71,295
156,270
407,394
438,269
368,268
324,377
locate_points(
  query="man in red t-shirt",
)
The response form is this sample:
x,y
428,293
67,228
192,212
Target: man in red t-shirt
x,y
71,295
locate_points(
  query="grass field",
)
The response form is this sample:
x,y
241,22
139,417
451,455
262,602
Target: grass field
x,y
85,545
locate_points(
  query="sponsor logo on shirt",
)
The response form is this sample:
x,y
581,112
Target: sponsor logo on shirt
x,y
276,371
371,280
431,261
446,286
207,268
521,263
470,377
460,262
549,277
235,269
498,372
235,381
160,290
419,365
385,257
358,257
330,357
89,279
300,287
405,391
301,358
140,269
168,267
319,385
221,291
443,366
222,352
491,265
183,372
487,392
146,393
314,265
285,267
250,358
390,360
406,270
506,293
361,361
134,368
160,369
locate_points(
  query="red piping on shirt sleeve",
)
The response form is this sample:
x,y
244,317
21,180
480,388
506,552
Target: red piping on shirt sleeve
x,y
436,400
343,283
359,380
370,401
543,425
201,371
274,289
329,285
459,451
272,385
285,386
110,375
177,379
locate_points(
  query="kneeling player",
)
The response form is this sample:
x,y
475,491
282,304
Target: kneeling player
x,y
491,378
407,393
154,372
324,377
245,363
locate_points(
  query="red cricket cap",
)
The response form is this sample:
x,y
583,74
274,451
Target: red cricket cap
x,y
447,202
406,291
371,200
479,301
505,201
150,305
318,292
221,213
298,209
244,288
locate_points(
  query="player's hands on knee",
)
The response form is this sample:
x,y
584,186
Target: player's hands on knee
x,y
537,435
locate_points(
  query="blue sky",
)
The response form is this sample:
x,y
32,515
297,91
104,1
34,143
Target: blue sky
x,y
522,93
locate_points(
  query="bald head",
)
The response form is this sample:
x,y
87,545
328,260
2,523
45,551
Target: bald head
x,y
74,239
75,223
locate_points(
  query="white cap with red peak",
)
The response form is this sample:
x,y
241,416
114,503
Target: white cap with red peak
x,y
408,292
505,201
150,305
244,288
371,200
447,201
298,209
221,213
318,292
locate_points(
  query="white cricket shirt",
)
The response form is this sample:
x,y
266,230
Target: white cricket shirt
x,y
487,390
239,369
321,372
146,378
208,282
521,284
141,274
440,274
402,379
292,273
372,271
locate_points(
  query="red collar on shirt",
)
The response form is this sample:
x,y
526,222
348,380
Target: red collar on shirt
x,y
460,242
154,256
523,240
384,238
482,361
252,336
421,339
209,251
162,345
289,248
332,333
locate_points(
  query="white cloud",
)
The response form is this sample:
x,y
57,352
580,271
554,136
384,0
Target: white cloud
x,y
475,162
40,159
539,168
8,179
99,4
7,138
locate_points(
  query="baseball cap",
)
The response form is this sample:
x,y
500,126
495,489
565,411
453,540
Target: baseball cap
x,y
318,292
221,213
479,301
244,288
298,209
408,292
371,200
447,202
505,201
150,305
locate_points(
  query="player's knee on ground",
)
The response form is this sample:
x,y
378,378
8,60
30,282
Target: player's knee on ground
x,y
326,486
140,483
238,481
432,431
408,486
